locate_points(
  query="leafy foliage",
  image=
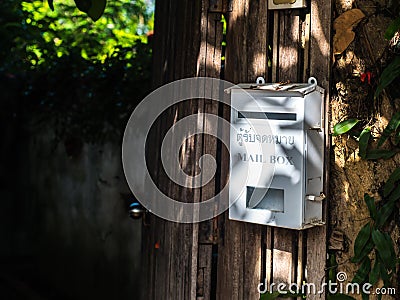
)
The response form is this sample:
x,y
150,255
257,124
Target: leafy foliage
x,y
54,33
372,238
344,126
393,28
363,142
83,77
391,132
373,241
391,72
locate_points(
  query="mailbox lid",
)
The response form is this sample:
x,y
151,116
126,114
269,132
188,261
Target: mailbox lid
x,y
275,89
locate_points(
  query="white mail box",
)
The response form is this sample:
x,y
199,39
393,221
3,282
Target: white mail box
x,y
277,140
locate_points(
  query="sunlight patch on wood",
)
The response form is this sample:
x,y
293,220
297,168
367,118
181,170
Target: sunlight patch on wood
x,y
317,27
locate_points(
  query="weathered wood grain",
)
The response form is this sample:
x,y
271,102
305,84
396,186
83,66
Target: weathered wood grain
x,y
203,290
289,46
284,252
275,46
170,254
209,65
320,68
239,255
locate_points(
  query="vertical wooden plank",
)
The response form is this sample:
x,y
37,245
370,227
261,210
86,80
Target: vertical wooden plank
x,y
171,249
252,239
175,266
306,47
236,42
225,243
239,259
159,42
230,260
257,28
300,260
284,253
320,43
268,256
275,47
150,237
289,46
204,272
320,66
209,65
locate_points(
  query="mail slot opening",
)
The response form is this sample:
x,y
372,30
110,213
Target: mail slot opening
x,y
265,198
269,115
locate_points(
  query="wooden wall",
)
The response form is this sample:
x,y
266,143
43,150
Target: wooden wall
x,y
223,259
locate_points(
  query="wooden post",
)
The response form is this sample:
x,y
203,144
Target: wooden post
x,y
220,258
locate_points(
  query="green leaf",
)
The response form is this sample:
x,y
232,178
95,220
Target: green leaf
x,y
390,73
344,126
364,296
397,138
97,9
363,142
94,8
362,239
384,213
83,5
392,29
384,273
391,127
269,296
395,195
332,267
364,252
380,153
362,273
375,272
389,185
339,297
51,5
383,246
391,248
370,201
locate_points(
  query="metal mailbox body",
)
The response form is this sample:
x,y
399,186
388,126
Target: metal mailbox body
x,y
277,143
